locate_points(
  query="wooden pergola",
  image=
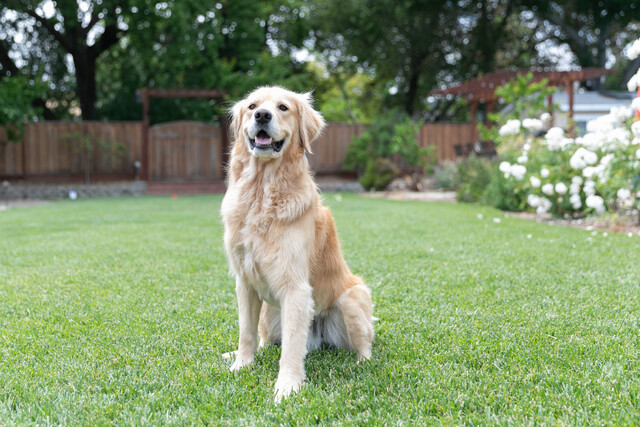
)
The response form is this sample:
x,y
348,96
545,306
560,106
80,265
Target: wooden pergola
x,y
481,90
145,98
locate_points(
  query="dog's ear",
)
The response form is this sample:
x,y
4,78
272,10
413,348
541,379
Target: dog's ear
x,y
311,122
235,116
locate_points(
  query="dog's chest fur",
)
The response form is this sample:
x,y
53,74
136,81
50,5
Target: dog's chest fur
x,y
256,216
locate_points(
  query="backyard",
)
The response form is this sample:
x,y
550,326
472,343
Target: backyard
x,y
116,311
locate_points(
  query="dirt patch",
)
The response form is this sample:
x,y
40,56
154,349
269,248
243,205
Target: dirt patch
x,y
613,223
9,204
424,196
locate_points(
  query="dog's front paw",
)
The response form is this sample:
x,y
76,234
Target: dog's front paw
x,y
286,385
240,361
230,356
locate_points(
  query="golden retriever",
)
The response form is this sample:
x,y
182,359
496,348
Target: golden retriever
x,y
292,283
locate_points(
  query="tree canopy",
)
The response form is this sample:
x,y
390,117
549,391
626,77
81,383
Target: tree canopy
x,y
88,57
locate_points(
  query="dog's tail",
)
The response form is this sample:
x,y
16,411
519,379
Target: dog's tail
x,y
357,313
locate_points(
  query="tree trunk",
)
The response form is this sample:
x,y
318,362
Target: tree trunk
x,y
412,90
86,83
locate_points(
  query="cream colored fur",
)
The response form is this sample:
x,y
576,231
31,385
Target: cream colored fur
x,y
292,283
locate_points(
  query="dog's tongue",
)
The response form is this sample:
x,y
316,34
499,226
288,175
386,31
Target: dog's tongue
x,y
261,140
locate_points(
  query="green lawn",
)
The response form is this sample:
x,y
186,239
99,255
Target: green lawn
x,y
116,311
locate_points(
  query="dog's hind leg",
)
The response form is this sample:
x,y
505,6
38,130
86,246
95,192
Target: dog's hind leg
x,y
357,314
270,326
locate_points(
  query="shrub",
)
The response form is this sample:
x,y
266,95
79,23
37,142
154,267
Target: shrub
x,y
557,172
472,177
374,143
391,134
445,176
378,174
504,194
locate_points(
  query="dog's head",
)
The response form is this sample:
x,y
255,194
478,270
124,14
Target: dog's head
x,y
272,121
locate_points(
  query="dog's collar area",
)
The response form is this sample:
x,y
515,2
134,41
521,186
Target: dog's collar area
x,y
262,135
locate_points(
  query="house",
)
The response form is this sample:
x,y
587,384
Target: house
x,y
587,105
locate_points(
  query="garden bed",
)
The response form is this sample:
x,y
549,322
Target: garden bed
x,y
38,191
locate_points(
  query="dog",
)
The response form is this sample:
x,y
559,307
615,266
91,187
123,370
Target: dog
x,y
292,283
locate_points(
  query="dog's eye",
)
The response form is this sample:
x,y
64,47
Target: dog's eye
x,y
252,107
283,107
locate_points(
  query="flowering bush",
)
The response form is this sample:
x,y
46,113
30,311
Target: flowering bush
x,y
568,176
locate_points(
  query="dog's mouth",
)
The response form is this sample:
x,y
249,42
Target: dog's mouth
x,y
263,141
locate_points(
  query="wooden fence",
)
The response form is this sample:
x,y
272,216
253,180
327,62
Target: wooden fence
x,y
185,151
330,149
181,151
59,150
446,136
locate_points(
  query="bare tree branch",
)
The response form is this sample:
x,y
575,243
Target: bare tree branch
x,y
8,66
107,39
63,39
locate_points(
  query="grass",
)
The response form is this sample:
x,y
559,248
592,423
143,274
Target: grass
x,y
116,311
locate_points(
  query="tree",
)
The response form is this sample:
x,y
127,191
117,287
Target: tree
x,y
588,27
402,44
83,30
14,115
193,44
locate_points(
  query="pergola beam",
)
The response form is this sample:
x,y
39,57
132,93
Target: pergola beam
x,y
482,89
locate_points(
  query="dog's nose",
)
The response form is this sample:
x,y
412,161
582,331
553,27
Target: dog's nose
x,y
262,116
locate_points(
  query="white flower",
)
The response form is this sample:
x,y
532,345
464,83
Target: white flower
x,y
634,50
523,158
638,154
518,172
555,133
535,181
633,82
635,127
548,189
504,167
576,201
597,203
532,125
617,138
544,172
577,180
592,141
512,127
589,172
574,189
555,139
621,113
542,204
624,193
595,171
635,104
561,188
526,147
589,188
582,158
606,159
604,123
545,118
515,170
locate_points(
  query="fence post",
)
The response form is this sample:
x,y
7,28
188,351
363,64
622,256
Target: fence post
x,y
24,154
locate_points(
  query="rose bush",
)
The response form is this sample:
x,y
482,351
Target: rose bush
x,y
573,176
